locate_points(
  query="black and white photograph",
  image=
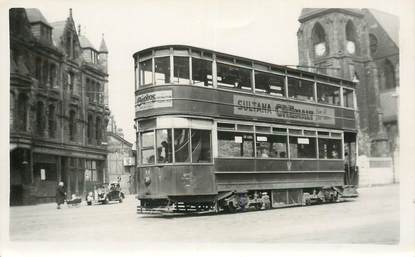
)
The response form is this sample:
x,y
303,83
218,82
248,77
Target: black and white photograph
x,y
207,128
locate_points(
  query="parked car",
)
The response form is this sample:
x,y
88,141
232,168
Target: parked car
x,y
106,193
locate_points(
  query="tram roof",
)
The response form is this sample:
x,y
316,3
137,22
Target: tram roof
x,y
288,69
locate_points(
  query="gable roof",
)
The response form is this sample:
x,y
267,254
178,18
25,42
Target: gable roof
x,y
34,15
389,22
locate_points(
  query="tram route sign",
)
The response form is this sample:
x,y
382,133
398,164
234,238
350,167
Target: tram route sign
x,y
153,100
253,106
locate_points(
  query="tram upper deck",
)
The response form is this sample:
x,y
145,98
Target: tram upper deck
x,y
185,80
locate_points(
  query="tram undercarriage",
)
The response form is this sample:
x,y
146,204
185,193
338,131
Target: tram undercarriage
x,y
248,200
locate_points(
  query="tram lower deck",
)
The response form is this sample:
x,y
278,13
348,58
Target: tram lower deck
x,y
199,164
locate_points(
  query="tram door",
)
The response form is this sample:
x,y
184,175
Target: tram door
x,y
351,174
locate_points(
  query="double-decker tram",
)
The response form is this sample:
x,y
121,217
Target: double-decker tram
x,y
222,132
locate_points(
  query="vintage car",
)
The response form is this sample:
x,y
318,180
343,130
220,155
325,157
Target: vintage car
x,y
106,193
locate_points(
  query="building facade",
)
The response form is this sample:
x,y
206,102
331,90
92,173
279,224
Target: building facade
x,y
361,45
121,161
58,108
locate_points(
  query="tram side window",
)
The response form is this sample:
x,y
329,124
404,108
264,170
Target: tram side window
x,y
271,146
147,147
181,145
234,77
201,147
329,148
202,72
235,144
146,72
302,147
162,70
269,83
181,70
327,94
348,98
164,146
300,89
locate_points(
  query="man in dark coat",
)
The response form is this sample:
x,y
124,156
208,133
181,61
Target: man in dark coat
x,y
60,195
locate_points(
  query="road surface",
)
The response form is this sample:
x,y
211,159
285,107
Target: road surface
x,y
372,218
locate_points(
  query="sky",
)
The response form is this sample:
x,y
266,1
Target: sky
x,y
262,30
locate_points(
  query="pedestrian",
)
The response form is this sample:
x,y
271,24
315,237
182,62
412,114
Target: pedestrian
x,y
60,195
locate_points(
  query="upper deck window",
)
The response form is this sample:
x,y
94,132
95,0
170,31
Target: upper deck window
x,y
202,72
348,99
162,70
234,77
327,94
301,89
181,70
146,72
269,83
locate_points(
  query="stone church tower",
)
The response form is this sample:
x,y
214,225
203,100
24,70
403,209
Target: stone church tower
x,y
340,42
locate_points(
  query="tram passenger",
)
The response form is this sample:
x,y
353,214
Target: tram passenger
x,y
264,153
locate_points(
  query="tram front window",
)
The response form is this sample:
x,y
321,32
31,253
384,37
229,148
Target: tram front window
x,y
201,147
146,72
271,146
235,144
164,146
329,148
202,72
302,147
301,89
147,147
181,70
181,145
162,70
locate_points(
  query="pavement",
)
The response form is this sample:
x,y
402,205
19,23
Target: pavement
x,y
373,218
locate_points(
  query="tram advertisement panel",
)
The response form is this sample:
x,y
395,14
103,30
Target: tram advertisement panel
x,y
152,100
253,106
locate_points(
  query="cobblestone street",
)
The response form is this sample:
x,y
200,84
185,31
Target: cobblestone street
x,y
371,218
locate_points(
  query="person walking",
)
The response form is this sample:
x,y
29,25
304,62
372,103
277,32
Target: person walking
x,y
60,195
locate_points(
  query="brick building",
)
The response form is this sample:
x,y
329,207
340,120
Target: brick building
x,y
360,45
58,108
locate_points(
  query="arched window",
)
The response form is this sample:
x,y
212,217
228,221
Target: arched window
x,y
90,128
45,75
373,43
389,71
351,38
21,117
51,121
72,125
98,130
12,110
40,119
38,69
99,96
52,76
318,37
